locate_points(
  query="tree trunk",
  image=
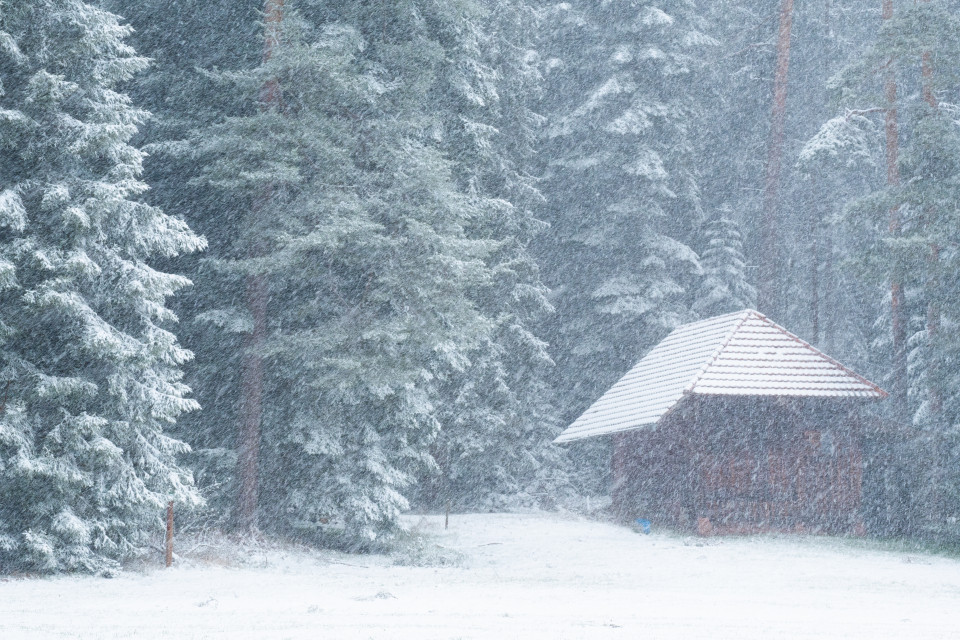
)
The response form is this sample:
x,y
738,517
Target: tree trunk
x,y
768,297
251,390
816,225
828,292
933,309
897,321
934,397
252,372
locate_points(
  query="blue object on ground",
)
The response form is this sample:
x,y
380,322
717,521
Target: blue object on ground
x,y
644,525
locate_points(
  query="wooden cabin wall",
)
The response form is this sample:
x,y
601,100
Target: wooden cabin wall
x,y
743,465
887,483
652,476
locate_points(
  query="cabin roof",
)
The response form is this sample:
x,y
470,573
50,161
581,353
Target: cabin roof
x,y
737,354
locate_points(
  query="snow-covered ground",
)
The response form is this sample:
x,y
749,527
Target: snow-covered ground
x,y
515,576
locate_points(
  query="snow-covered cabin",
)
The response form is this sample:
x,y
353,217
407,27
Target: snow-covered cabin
x,y
735,425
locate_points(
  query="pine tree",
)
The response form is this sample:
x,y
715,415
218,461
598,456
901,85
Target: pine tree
x,y
816,293
623,199
362,236
903,228
724,287
769,255
494,447
92,370
931,168
195,45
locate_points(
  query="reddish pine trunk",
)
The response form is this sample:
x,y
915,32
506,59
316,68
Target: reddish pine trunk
x,y
769,258
827,285
933,308
899,326
816,223
926,70
938,498
252,404
251,386
168,555
932,491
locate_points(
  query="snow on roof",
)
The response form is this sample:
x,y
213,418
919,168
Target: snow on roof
x,y
742,353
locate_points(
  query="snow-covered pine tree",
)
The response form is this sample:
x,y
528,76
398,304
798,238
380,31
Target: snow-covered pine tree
x,y
91,372
817,293
907,231
185,41
361,234
497,418
737,85
724,287
621,183
930,167
497,134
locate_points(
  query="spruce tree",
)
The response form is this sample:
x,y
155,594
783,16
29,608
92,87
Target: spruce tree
x,y
930,166
907,229
724,287
463,87
819,296
189,88
621,184
91,369
360,233
497,420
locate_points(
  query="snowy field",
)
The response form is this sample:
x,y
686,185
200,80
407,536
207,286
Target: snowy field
x,y
514,576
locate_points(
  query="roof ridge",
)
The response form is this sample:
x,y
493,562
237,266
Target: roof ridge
x,y
823,355
713,358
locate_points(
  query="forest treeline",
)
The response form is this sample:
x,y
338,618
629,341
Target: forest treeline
x,y
301,265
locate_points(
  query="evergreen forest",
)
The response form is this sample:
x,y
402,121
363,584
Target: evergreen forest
x,y
301,266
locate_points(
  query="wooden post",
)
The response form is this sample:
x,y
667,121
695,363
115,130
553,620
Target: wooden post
x,y
169,558
446,519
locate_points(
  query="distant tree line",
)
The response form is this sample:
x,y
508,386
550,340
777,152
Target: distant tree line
x,y
301,265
